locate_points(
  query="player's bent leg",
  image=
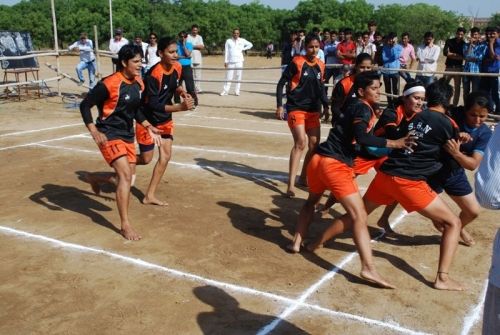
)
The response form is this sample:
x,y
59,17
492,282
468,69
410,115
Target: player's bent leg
x,y
165,152
470,211
438,211
305,219
299,144
313,137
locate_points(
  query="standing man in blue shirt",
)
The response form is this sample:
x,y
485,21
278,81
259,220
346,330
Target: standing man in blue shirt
x,y
391,53
184,51
491,64
473,53
87,59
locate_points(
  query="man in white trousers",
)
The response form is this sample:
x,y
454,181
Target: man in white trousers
x,y
196,57
233,58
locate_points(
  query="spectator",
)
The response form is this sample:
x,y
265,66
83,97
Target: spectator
x,y
407,56
325,38
151,52
372,28
487,185
379,44
346,50
365,46
298,44
269,50
116,43
87,59
454,52
330,51
144,47
491,64
427,57
184,51
286,51
196,57
473,53
391,53
233,58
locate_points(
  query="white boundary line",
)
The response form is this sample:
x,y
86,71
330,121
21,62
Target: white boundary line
x,y
41,129
196,278
312,289
40,142
474,314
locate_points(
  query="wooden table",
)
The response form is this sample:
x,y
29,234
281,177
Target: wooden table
x,y
18,74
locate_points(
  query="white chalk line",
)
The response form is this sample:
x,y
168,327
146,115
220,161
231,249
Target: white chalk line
x,y
41,142
41,129
312,289
474,314
196,278
200,166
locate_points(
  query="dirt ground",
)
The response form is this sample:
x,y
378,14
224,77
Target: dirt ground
x,y
212,262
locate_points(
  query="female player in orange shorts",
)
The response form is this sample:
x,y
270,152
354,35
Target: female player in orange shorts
x,y
117,98
331,168
162,82
403,177
305,95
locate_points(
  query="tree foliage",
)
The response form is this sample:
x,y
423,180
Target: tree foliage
x,y
258,23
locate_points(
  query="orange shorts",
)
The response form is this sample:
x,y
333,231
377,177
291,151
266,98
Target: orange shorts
x,y
145,141
413,195
115,149
328,173
363,165
309,119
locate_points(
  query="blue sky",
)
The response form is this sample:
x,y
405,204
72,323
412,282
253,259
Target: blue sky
x,y
483,8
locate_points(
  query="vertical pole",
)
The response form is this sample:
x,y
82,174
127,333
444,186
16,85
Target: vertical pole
x,y
97,55
56,45
110,20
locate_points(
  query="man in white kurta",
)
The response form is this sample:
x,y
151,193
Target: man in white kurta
x,y
233,60
196,58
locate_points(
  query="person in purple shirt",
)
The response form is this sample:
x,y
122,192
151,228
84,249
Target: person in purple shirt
x,y
391,53
491,64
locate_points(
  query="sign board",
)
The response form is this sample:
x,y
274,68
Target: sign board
x,y
14,43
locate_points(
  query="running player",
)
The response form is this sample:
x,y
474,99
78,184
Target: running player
x,y
305,95
331,168
452,178
403,176
162,82
117,98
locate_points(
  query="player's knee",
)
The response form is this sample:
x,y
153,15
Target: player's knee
x,y
300,144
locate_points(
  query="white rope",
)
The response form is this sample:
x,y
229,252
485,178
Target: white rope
x,y
32,82
28,56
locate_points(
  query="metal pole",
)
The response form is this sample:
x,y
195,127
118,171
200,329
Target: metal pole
x,y
97,56
56,44
110,20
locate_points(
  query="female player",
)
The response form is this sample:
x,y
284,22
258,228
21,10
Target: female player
x,y
331,168
118,98
162,82
403,177
468,155
305,95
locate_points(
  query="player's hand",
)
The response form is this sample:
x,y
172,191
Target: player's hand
x,y
464,137
184,95
453,147
99,138
187,103
408,142
280,113
155,134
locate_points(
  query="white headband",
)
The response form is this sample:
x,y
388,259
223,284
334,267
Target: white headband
x,y
413,89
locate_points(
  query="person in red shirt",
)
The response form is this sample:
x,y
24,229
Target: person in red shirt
x,y
346,50
305,96
118,98
162,82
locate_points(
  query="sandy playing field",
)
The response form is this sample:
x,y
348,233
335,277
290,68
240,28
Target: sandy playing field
x,y
212,262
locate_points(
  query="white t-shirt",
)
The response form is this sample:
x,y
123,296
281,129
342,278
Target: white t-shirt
x,y
115,46
152,57
487,179
195,54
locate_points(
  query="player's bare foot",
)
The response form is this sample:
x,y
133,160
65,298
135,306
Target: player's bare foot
x,y
129,233
444,282
292,248
93,183
289,194
313,246
466,238
371,275
153,201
